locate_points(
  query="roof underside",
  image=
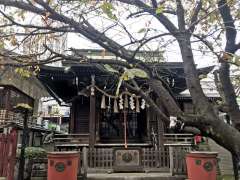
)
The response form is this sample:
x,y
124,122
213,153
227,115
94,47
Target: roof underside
x,y
66,85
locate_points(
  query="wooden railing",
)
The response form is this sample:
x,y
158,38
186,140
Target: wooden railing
x,y
155,159
178,139
9,117
178,145
169,158
65,141
101,159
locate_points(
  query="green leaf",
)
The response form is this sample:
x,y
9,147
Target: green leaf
x,y
142,30
2,44
35,153
127,75
23,106
107,8
119,85
23,72
236,60
130,74
110,69
138,73
160,9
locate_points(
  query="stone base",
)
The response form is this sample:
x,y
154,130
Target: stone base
x,y
134,176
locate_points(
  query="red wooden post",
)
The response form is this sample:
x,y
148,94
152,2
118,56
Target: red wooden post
x,y
5,153
1,152
12,154
8,147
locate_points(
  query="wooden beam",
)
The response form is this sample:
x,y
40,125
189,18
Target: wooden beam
x,y
92,118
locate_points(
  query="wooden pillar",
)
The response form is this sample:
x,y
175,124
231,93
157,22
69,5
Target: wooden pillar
x,y
92,118
148,114
171,160
160,124
33,134
85,162
7,102
72,118
23,146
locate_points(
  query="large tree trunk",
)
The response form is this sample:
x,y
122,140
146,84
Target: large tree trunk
x,y
224,134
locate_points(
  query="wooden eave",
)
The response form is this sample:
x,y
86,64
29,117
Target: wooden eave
x,y
59,81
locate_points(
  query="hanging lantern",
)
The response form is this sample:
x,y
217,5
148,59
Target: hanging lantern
x,y
137,105
126,101
143,104
120,102
103,102
115,106
132,105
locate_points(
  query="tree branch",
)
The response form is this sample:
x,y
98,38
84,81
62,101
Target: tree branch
x,y
195,16
154,3
224,70
161,17
231,32
206,43
180,16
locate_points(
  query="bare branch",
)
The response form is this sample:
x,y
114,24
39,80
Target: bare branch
x,y
208,44
180,15
143,42
161,17
195,16
229,24
83,59
57,29
154,3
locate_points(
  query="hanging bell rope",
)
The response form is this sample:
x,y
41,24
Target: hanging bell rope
x,y
126,101
112,96
109,103
137,105
123,103
125,128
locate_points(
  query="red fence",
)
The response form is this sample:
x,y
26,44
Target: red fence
x,y
8,145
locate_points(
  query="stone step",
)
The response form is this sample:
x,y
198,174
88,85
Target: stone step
x,y
134,176
126,176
